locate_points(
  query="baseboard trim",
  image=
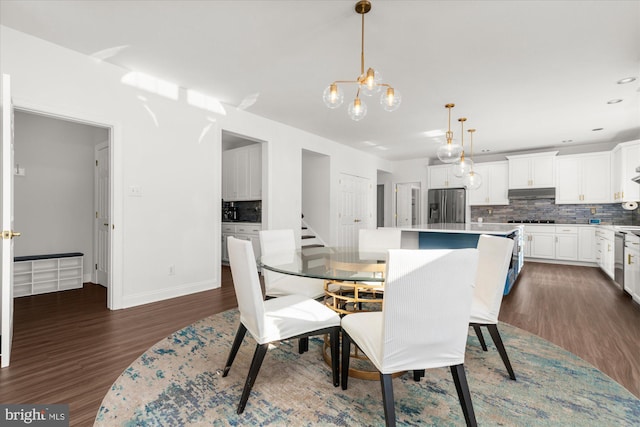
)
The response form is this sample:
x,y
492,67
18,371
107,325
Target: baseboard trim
x,y
134,300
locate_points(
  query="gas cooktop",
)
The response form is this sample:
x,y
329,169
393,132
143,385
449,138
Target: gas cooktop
x,y
531,221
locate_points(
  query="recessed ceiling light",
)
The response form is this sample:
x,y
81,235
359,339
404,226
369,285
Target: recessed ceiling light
x,y
597,129
434,133
567,140
614,101
626,80
369,143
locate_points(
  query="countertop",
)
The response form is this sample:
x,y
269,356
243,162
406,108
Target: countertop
x,y
471,228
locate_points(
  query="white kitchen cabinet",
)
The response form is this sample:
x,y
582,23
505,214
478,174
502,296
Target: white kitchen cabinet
x,y
583,178
494,187
242,173
532,170
604,250
625,158
566,242
587,244
38,275
244,231
542,241
632,267
441,176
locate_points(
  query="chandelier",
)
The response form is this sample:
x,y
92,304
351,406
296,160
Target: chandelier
x,y
369,83
449,152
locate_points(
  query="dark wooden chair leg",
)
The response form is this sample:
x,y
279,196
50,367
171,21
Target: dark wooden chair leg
x,y
462,387
258,357
242,330
497,340
346,356
417,374
303,345
335,355
478,330
386,381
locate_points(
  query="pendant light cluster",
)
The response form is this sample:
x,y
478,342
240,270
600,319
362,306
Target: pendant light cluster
x,y
369,83
453,153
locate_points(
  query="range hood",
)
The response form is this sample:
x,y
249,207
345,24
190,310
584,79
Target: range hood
x,y
532,193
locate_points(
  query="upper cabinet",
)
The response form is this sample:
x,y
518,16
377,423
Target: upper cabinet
x,y
494,187
242,173
584,178
532,170
625,159
441,176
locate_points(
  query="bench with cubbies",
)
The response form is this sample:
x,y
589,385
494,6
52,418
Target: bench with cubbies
x,y
38,274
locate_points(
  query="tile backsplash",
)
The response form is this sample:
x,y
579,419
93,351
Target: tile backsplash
x,y
610,213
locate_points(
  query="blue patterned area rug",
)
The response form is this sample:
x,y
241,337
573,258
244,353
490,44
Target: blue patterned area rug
x,y
178,382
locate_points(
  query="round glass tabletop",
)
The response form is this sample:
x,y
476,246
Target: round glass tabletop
x,y
328,263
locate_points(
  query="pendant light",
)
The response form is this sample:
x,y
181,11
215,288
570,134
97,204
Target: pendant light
x,y
449,152
463,166
369,83
472,180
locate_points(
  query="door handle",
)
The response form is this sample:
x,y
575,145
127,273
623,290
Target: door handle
x,y
357,220
10,234
106,225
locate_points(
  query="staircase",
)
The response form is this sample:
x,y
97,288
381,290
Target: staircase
x,y
309,238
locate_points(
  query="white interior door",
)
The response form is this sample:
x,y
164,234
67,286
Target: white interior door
x,y
353,210
6,315
403,204
102,220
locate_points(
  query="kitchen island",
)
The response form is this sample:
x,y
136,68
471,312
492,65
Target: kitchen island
x,y
456,236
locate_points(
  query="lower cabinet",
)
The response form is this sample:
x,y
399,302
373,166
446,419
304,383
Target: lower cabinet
x,y
244,231
605,256
561,242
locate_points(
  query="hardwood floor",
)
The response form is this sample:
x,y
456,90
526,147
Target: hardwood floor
x,y
68,348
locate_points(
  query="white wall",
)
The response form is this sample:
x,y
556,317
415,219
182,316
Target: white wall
x,y
177,220
54,200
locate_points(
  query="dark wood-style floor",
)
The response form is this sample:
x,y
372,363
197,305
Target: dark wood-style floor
x,y
68,348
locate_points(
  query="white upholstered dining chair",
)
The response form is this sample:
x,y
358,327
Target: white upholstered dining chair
x,y
282,242
493,267
423,324
276,319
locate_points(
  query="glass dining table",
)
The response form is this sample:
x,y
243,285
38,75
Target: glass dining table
x,y
353,278
353,282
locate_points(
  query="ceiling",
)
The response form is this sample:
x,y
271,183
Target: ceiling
x,y
527,74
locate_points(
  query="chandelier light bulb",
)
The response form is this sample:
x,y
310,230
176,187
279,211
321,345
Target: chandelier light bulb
x,y
472,180
357,109
463,167
333,96
449,152
390,100
371,82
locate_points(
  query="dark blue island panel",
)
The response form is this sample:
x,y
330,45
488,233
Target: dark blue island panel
x,y
435,240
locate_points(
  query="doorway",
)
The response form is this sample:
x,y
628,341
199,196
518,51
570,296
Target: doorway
x,y
62,190
408,203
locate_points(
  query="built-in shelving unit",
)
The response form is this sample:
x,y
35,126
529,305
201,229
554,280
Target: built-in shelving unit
x,y
40,274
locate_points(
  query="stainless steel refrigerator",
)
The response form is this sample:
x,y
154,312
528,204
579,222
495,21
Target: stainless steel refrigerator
x,y
447,205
